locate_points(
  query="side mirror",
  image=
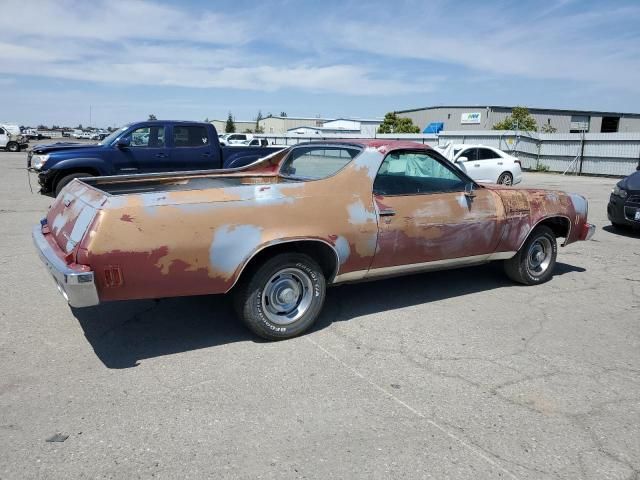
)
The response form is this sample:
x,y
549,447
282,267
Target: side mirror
x,y
123,142
462,159
469,191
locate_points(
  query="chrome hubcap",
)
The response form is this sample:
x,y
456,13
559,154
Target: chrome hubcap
x,y
287,296
539,256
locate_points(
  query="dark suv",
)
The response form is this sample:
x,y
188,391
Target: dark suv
x,y
624,204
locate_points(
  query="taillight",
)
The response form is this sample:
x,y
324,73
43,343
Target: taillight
x,y
113,276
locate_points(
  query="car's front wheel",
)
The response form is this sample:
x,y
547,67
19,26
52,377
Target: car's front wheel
x,y
281,298
535,261
67,179
13,147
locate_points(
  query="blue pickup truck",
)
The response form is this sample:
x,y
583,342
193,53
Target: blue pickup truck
x,y
142,147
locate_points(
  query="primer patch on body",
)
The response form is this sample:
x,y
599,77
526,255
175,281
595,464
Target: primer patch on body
x,y
579,204
370,161
343,249
358,214
80,227
231,245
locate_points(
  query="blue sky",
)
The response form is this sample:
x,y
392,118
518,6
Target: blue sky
x,y
197,59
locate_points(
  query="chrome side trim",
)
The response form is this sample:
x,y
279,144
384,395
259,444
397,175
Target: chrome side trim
x,y
421,267
279,242
78,288
501,256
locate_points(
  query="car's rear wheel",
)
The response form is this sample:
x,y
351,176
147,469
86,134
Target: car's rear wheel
x,y
505,178
281,298
535,261
67,179
13,147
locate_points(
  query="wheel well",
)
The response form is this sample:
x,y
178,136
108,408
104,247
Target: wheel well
x,y
558,225
320,251
68,171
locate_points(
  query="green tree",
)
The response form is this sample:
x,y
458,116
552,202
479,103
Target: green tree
x,y
283,114
395,124
206,120
548,128
259,128
79,127
520,119
151,117
230,126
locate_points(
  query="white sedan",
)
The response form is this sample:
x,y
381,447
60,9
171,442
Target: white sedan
x,y
484,164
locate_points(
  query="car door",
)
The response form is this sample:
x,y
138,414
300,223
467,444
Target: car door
x,y
191,148
428,213
4,138
146,151
475,164
490,164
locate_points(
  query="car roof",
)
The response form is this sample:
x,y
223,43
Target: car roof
x,y
379,144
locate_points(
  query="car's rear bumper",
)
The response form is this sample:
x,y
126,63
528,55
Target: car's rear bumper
x,y
77,285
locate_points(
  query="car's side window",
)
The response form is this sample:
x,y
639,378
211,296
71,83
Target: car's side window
x,y
486,154
190,136
411,173
147,137
1,131
471,154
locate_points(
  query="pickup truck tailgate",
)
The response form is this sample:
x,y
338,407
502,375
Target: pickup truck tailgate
x,y
72,213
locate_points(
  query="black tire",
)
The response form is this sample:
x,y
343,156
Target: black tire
x,y
522,267
252,296
65,180
13,147
505,178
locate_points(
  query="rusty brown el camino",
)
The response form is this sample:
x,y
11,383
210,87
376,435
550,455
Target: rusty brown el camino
x,y
275,233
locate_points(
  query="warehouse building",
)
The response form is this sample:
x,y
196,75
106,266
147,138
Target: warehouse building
x,y
308,125
456,118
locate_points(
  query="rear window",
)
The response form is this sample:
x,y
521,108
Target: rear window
x,y
314,163
191,136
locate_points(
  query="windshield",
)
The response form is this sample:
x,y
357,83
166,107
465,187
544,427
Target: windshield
x,y
113,136
318,161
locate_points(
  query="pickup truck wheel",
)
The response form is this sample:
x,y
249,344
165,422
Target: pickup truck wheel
x,y
505,179
64,181
535,261
13,147
283,297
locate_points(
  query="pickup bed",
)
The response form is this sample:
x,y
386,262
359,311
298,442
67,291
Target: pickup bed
x,y
142,147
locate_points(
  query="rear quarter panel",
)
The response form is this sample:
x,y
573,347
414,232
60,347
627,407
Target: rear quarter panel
x,y
197,242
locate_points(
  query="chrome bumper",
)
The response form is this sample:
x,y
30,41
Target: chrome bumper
x,y
591,229
78,288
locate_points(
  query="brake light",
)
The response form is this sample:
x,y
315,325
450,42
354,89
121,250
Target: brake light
x,y
113,276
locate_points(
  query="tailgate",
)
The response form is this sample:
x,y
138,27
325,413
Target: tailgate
x,y
72,213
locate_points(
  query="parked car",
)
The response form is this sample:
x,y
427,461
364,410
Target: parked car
x,y
277,232
623,209
485,164
143,147
235,138
11,138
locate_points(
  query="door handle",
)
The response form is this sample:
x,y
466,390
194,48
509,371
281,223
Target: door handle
x,y
206,154
387,212
476,165
161,155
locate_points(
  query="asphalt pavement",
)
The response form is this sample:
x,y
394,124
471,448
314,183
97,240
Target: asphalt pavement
x,y
447,375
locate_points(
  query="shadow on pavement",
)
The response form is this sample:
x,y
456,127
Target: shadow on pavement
x,y
123,333
629,232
